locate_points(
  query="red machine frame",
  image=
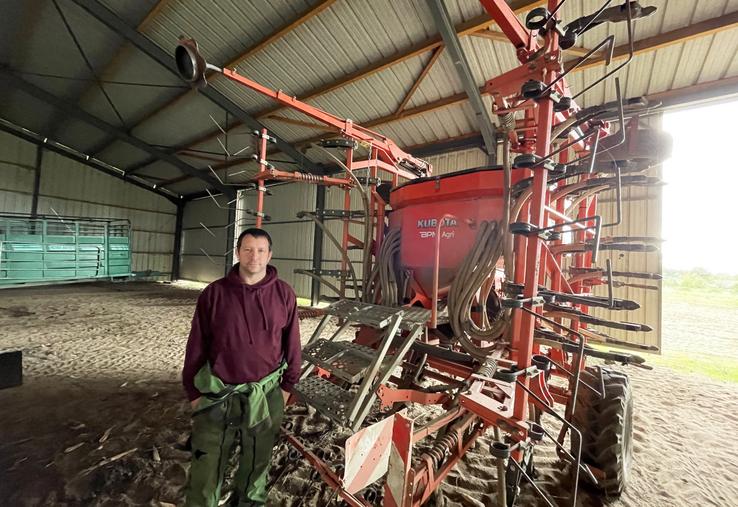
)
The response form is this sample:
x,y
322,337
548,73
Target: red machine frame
x,y
486,403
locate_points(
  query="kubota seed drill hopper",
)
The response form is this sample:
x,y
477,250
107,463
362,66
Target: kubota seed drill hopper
x,y
476,286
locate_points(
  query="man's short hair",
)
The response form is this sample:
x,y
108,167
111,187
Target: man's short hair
x,y
255,232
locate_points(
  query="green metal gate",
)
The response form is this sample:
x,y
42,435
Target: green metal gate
x,y
47,250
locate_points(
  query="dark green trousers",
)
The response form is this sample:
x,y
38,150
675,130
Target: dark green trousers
x,y
214,432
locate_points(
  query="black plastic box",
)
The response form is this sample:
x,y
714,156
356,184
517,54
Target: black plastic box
x,y
11,368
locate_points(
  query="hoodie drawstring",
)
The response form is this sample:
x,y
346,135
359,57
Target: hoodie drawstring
x,y
261,307
245,314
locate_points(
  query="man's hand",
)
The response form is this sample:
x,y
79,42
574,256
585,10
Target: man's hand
x,y
194,402
286,396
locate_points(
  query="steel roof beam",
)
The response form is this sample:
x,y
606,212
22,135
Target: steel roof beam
x,y
148,47
445,26
48,144
677,36
109,68
72,110
467,28
312,12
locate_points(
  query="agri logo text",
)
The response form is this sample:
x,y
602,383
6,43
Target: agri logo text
x,y
432,223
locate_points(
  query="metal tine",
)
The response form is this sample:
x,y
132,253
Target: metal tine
x,y
567,424
540,492
222,146
620,133
218,125
597,15
583,467
242,150
218,204
609,283
206,228
618,197
570,374
208,256
556,9
592,51
626,62
610,40
216,175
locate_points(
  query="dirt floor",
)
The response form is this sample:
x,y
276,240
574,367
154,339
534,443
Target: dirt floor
x,y
101,417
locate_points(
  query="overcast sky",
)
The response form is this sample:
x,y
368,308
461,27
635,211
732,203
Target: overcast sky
x,y
700,219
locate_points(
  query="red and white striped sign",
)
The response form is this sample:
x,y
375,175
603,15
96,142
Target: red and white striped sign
x,y
367,455
398,490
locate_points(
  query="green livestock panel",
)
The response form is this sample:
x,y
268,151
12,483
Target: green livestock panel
x,y
46,250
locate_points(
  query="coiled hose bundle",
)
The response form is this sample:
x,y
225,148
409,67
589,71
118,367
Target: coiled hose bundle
x,y
385,275
466,288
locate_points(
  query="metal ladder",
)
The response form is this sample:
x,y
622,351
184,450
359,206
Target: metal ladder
x,y
354,364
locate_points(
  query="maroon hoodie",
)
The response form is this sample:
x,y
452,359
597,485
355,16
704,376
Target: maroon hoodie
x,y
244,331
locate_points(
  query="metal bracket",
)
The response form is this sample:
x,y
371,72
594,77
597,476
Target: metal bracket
x,y
262,161
328,272
369,180
527,229
255,213
269,138
519,302
340,213
257,187
532,161
339,143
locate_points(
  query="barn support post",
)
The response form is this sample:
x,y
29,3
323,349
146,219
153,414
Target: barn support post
x,y
177,247
317,245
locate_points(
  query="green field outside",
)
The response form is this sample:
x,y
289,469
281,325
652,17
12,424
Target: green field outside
x,y
700,324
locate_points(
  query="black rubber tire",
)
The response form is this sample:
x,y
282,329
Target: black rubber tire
x,y
607,429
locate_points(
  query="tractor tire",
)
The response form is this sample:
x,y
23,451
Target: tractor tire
x,y
607,429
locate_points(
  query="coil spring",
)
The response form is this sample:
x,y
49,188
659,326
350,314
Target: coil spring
x,y
310,313
310,178
507,122
489,368
441,448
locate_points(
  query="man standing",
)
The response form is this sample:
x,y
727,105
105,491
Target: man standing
x,y
243,358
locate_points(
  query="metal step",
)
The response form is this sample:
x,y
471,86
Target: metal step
x,y
378,316
327,398
345,360
412,316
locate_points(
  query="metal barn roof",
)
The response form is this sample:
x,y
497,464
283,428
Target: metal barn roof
x,y
380,63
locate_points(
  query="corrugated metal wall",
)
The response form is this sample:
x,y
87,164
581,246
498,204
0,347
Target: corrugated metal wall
x,y
641,216
457,161
70,188
17,162
203,252
292,238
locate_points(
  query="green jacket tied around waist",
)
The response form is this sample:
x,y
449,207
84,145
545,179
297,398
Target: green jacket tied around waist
x,y
216,392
